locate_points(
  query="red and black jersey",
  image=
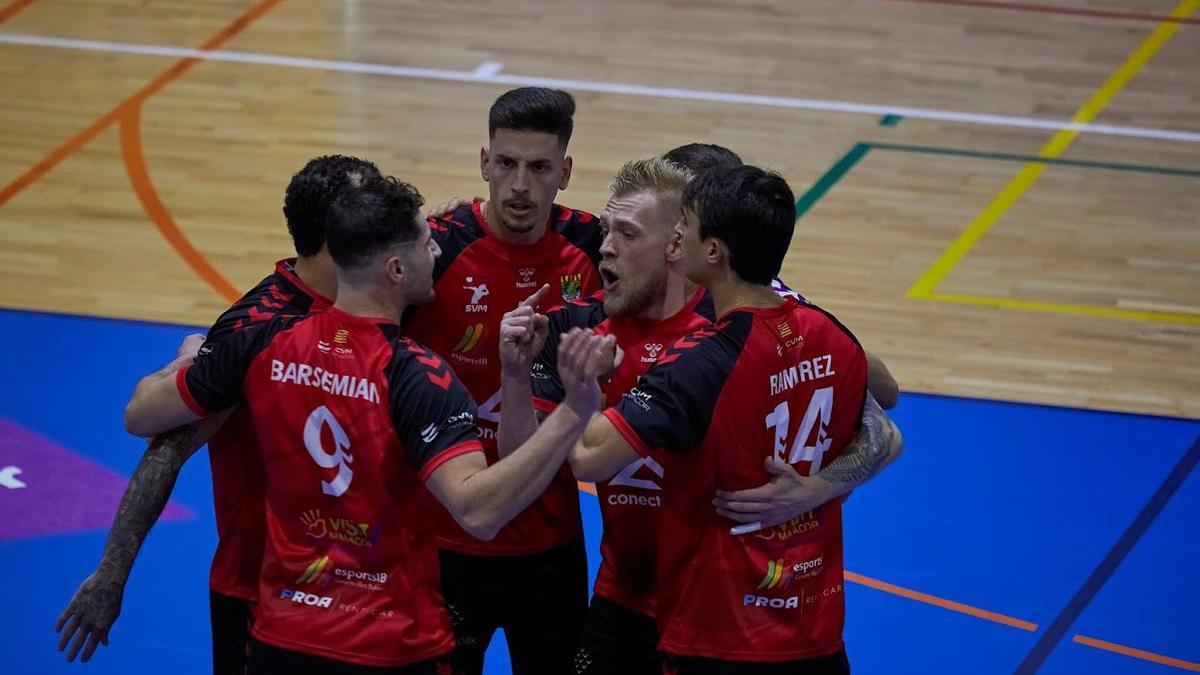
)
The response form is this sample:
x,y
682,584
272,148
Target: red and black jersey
x,y
788,381
631,501
237,469
351,419
477,279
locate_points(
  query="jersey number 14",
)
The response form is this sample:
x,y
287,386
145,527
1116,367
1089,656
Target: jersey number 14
x,y
820,408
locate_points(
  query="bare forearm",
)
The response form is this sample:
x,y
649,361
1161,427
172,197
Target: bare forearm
x,y
146,496
878,443
880,382
502,490
518,419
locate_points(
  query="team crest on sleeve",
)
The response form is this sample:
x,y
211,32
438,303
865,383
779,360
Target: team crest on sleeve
x,y
571,285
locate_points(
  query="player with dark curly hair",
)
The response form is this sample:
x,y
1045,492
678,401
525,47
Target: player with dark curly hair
x,y
298,285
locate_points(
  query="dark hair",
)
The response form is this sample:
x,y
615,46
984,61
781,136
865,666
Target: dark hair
x,y
368,220
753,211
701,157
549,111
312,191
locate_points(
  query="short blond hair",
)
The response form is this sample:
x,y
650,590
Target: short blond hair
x,y
656,174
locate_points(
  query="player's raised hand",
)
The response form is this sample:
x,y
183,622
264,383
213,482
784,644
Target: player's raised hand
x,y
582,357
89,616
447,207
523,334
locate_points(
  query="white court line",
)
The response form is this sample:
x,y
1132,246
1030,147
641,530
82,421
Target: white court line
x,y
489,72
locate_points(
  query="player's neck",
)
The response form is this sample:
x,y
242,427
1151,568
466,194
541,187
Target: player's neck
x,y
317,271
676,294
496,225
368,301
731,292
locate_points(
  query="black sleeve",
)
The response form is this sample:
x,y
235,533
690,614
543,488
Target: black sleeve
x,y
547,386
214,381
431,410
673,403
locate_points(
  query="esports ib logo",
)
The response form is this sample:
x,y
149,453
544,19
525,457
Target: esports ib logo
x,y
315,571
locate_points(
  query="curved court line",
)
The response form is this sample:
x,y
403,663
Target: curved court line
x,y
12,8
1119,15
73,144
139,178
618,88
1137,653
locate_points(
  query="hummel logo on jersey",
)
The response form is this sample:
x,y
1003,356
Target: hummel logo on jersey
x,y
429,433
652,352
526,277
478,293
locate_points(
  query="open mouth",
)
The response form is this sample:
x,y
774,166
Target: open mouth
x,y
609,278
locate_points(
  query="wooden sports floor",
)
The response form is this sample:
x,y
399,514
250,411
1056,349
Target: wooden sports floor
x,y
1001,198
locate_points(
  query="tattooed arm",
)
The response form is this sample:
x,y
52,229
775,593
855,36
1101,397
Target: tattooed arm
x,y
788,494
97,602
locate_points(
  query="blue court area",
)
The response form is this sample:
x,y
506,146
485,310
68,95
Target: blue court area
x,y
1009,538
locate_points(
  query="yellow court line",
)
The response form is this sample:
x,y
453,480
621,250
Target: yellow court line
x,y
1057,308
1058,144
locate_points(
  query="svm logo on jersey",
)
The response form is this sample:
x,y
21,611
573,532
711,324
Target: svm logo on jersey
x,y
478,291
572,286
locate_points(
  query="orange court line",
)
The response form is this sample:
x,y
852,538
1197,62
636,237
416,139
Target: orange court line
x,y
939,602
139,178
81,139
12,8
1137,653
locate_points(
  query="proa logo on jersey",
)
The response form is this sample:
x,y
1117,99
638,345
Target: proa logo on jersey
x,y
526,274
309,599
467,344
478,291
653,349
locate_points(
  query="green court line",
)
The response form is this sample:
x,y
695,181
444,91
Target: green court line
x,y
1007,157
831,177
843,166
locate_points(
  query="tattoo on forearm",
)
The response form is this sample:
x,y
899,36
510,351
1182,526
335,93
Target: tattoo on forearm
x,y
863,458
145,498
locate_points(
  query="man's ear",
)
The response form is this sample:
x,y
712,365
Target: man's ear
x,y
483,163
566,174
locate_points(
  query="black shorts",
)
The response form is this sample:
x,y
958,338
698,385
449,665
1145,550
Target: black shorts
x,y
539,600
268,659
231,622
833,664
617,641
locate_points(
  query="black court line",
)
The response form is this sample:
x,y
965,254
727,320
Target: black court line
x,y
1066,618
